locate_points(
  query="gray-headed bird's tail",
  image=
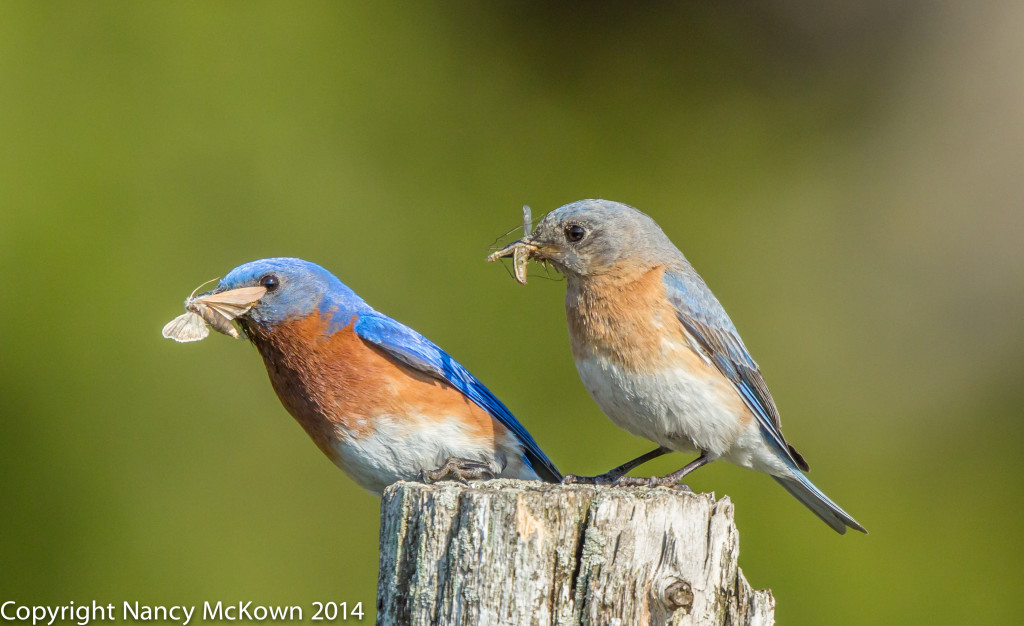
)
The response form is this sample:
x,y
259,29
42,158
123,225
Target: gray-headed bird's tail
x,y
804,490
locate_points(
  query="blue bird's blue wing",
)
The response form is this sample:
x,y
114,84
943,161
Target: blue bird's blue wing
x,y
707,323
416,351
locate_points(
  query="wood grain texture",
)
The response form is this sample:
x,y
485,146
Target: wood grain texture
x,y
516,552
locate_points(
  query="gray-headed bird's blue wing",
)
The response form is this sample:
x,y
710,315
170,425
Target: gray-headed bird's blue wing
x,y
416,351
707,323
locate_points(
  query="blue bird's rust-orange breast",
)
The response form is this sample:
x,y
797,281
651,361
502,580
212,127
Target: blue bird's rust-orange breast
x,y
335,384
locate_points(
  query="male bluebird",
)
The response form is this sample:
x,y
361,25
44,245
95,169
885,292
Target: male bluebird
x,y
379,399
658,353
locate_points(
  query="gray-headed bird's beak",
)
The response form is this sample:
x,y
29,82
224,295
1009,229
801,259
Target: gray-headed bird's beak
x,y
522,245
521,252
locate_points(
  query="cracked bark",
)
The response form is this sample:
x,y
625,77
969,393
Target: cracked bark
x,y
515,552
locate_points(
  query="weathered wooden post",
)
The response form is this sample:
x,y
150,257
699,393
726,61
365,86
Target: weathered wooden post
x,y
515,552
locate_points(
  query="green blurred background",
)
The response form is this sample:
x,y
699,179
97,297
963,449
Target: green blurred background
x,y
846,178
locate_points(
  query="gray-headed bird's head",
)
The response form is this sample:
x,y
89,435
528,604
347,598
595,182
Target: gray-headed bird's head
x,y
592,237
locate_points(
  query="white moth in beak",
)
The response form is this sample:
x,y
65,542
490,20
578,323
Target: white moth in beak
x,y
215,309
185,328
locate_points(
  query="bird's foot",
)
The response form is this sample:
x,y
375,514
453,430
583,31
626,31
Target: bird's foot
x,y
608,478
614,475
461,470
653,481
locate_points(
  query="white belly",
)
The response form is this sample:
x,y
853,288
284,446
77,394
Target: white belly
x,y
682,411
399,448
674,408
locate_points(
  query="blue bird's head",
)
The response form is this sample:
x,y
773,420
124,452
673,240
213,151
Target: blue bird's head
x,y
293,289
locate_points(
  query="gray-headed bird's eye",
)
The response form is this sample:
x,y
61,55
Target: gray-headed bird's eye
x,y
575,232
269,282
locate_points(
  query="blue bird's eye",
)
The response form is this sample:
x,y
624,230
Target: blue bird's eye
x,y
269,282
575,232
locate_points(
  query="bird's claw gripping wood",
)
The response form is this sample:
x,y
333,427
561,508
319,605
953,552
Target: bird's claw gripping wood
x,y
651,482
597,481
461,470
617,476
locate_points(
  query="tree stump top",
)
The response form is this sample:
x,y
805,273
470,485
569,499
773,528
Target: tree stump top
x,y
519,552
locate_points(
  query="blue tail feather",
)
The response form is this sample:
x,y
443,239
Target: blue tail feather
x,y
810,496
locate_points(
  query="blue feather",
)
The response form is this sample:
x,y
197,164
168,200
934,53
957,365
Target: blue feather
x,y
707,322
415,350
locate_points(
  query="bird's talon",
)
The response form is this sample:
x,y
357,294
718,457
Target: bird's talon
x,y
573,479
632,481
460,470
606,480
610,479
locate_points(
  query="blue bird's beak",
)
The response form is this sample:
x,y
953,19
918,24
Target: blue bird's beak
x,y
218,308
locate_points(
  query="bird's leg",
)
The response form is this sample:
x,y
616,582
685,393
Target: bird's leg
x,y
613,476
462,470
670,480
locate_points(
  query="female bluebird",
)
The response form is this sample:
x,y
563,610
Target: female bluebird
x,y
658,353
379,399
